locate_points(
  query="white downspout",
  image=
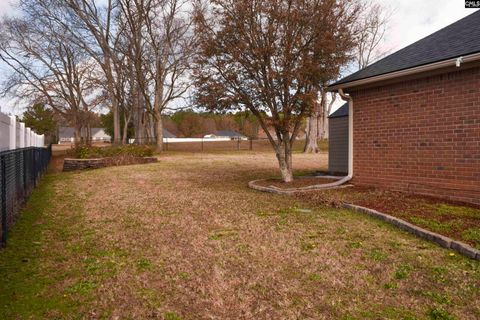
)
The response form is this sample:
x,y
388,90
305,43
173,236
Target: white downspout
x,y
349,177
349,99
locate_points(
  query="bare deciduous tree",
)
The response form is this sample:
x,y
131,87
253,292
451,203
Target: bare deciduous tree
x,y
47,67
172,46
270,57
371,32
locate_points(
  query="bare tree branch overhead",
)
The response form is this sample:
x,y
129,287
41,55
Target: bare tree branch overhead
x,y
369,33
47,67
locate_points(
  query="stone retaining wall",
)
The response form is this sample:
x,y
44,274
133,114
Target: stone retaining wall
x,y
82,164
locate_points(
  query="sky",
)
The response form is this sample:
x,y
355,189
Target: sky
x,y
411,20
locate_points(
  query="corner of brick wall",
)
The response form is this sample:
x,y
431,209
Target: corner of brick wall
x,y
420,136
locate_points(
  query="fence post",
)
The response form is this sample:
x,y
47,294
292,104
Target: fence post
x,y
238,144
12,133
251,144
3,191
202,144
22,135
27,137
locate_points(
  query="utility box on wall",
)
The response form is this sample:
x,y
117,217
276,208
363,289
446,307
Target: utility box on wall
x,y
338,140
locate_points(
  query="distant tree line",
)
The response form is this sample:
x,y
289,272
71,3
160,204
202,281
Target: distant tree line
x,y
190,123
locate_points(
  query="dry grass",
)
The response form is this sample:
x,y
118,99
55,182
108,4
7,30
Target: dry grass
x,y
186,239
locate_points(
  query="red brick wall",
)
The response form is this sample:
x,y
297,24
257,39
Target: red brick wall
x,y
421,136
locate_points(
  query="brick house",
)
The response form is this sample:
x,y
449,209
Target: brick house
x,y
415,116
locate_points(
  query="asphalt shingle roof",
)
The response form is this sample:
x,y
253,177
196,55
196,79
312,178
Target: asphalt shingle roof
x,y
227,133
458,39
168,134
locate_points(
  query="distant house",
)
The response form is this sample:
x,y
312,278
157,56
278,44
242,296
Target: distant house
x,y
67,135
167,134
338,140
414,116
226,134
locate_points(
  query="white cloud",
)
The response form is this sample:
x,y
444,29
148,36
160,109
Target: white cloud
x,y
6,6
413,20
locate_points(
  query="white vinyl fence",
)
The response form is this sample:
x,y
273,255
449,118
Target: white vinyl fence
x,y
14,135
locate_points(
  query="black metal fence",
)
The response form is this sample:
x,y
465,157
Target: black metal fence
x,y
20,170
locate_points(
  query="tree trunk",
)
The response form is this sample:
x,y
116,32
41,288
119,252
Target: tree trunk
x,y
311,144
138,118
125,131
159,131
116,122
283,152
88,134
77,135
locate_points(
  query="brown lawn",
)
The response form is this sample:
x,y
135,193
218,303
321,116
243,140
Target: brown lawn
x,y
186,238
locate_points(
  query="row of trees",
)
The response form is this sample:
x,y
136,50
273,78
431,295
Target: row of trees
x,y
130,56
190,123
274,58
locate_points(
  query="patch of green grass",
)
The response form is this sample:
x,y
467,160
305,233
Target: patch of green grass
x,y
306,245
436,297
439,314
171,316
390,286
377,255
394,244
314,277
433,225
387,312
472,234
25,286
439,274
144,264
457,211
355,245
151,297
81,288
262,213
403,271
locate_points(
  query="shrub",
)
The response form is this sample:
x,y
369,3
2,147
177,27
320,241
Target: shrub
x,y
87,152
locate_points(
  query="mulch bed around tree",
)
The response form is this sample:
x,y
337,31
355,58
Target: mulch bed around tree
x,y
296,183
460,221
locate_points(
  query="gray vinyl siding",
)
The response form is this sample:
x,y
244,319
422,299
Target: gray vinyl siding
x,y
338,145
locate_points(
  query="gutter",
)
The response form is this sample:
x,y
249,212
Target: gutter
x,y
349,176
428,67
348,99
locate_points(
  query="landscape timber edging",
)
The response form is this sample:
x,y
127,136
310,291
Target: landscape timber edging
x,y
273,189
70,164
440,240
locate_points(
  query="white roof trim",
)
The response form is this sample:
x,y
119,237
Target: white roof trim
x,y
395,74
